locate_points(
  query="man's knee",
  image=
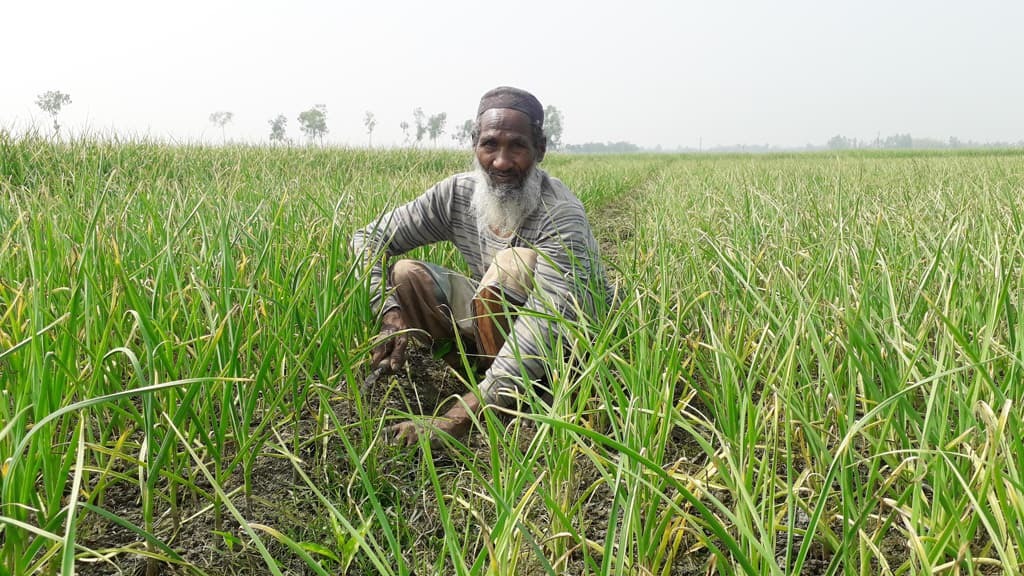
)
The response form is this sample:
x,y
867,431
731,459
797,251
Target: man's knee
x,y
511,272
413,285
402,271
423,303
508,280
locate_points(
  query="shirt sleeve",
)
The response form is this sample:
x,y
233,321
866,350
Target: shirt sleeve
x,y
423,221
563,286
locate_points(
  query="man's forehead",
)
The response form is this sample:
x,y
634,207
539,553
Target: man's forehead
x,y
506,120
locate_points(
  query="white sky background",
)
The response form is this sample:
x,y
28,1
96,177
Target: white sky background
x,y
673,73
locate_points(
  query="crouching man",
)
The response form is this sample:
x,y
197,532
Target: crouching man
x,y
529,248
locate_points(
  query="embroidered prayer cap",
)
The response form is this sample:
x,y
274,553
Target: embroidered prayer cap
x,y
516,99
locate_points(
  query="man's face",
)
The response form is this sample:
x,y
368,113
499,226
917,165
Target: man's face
x,y
505,148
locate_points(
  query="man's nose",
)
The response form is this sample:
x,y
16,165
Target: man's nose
x,y
502,160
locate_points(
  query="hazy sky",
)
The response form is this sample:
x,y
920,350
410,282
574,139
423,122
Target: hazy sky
x,y
673,73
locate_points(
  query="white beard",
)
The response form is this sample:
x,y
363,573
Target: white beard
x,y
503,208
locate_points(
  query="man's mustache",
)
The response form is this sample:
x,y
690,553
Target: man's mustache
x,y
505,182
504,175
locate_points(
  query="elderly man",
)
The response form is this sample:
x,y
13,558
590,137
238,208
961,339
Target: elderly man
x,y
529,248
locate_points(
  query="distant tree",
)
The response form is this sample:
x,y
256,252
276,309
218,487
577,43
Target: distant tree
x,y
405,130
899,141
421,127
838,142
370,122
553,127
277,128
621,147
464,135
222,118
313,123
929,144
51,102
435,125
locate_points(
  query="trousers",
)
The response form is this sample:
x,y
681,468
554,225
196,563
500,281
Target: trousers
x,y
444,305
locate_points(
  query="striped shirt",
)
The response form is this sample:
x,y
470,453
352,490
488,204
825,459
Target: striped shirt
x,y
568,275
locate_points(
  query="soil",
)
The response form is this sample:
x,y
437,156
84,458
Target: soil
x,y
283,501
279,498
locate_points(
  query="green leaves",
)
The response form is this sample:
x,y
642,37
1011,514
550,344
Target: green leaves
x,y
812,360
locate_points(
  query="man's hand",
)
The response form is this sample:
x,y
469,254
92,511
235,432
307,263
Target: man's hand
x,y
390,353
455,422
409,432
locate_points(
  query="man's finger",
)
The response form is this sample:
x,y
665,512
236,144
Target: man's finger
x,y
398,355
403,434
410,435
393,433
380,354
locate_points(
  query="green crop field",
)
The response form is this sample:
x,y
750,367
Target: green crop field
x,y
815,367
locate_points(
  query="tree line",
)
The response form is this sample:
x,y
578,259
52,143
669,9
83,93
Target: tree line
x,y
905,141
313,123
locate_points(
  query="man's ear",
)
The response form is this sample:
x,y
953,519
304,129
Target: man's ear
x,y
542,149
